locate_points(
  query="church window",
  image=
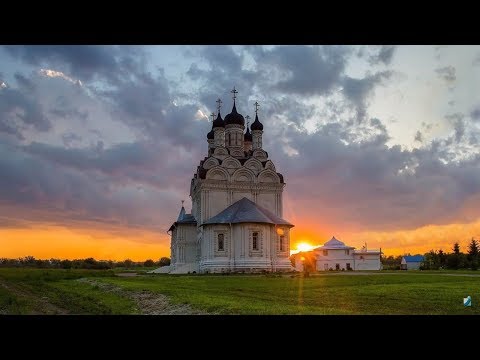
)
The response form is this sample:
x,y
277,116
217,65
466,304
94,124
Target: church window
x,y
337,266
255,241
282,243
347,252
325,252
349,267
221,242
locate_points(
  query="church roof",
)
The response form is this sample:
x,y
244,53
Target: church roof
x,y
244,211
218,122
333,243
183,218
416,258
234,117
257,125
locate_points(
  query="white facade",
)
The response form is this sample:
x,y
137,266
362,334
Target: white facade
x,y
233,176
335,255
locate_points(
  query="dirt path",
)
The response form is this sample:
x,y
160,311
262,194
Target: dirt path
x,y
148,303
40,305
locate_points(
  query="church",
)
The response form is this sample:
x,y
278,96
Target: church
x,y
236,222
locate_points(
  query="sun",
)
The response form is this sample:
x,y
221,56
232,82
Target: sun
x,y
304,246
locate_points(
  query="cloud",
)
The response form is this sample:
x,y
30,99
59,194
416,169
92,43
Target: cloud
x,y
19,110
83,62
303,70
357,91
475,114
418,136
53,74
384,55
370,185
446,73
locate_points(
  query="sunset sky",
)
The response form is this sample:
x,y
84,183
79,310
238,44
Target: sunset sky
x,y
377,144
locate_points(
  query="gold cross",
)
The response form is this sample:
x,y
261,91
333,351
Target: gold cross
x,y
248,120
234,92
219,105
257,105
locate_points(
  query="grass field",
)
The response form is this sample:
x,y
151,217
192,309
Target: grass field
x,y
36,291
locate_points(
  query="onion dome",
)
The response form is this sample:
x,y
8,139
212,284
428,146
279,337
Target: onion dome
x,y
234,117
257,125
211,135
247,136
218,122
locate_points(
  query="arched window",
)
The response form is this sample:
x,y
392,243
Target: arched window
x,y
255,241
221,242
282,242
229,139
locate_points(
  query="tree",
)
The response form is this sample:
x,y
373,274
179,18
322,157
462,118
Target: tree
x,y
442,258
128,263
164,261
456,248
473,254
149,262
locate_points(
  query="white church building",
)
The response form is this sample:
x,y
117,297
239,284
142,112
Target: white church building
x,y
236,223
335,255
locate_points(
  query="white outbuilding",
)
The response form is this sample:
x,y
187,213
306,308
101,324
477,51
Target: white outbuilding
x,y
335,255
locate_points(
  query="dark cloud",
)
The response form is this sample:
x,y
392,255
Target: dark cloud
x,y
384,55
303,70
418,136
475,114
447,73
357,91
371,186
19,110
70,138
344,173
110,185
84,62
458,125
24,82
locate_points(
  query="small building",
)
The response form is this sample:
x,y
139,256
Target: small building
x,y
335,255
411,262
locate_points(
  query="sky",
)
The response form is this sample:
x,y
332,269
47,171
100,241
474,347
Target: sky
x,y
98,144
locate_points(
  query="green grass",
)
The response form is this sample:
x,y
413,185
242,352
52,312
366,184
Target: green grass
x,y
36,291
338,294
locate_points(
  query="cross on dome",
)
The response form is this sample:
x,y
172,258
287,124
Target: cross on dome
x,y
257,105
234,92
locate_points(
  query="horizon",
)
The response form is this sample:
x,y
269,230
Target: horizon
x,y
377,144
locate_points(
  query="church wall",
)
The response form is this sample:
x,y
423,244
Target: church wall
x,y
240,195
239,253
184,246
269,201
215,202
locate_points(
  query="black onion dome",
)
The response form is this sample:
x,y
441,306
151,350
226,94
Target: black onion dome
x,y
218,122
211,135
257,125
247,136
234,117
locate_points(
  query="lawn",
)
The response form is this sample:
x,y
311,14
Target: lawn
x,y
24,291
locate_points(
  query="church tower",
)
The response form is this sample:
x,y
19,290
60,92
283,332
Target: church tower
x,y
236,223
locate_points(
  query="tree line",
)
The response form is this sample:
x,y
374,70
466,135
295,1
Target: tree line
x,y
89,263
435,260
